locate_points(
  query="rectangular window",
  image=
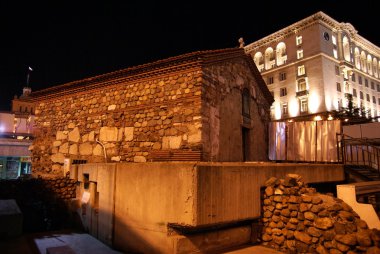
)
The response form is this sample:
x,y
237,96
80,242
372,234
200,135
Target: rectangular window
x,y
378,101
373,99
301,70
285,109
283,91
354,93
303,107
372,85
282,76
333,38
301,85
298,40
300,54
270,80
337,72
360,80
361,95
367,95
338,88
366,82
335,53
378,87
353,78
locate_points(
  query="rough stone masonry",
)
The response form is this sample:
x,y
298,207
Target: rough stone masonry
x,y
297,219
183,108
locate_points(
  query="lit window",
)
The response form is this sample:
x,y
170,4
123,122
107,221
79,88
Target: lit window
x,y
301,70
283,91
354,93
300,54
338,88
301,85
335,52
298,40
303,105
282,76
333,38
285,109
270,80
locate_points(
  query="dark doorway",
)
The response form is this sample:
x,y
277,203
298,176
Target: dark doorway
x,y
245,143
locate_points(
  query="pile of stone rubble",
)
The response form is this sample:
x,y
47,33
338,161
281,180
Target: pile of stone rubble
x,y
297,219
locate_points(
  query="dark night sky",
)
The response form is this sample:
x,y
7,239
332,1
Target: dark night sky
x,y
64,42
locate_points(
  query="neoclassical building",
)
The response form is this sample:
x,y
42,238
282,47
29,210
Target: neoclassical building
x,y
312,66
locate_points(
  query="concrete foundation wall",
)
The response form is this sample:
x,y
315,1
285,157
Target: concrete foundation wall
x,y
138,202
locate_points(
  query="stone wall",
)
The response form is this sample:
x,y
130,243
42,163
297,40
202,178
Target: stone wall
x,y
222,113
297,219
164,112
129,120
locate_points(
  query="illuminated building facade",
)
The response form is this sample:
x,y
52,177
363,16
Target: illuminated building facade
x,y
16,128
312,66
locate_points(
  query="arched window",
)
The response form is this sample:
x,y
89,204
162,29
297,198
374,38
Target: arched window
x,y
357,58
246,103
374,64
269,58
369,64
346,49
258,59
363,61
281,53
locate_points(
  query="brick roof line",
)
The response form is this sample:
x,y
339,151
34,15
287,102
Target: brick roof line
x,y
181,62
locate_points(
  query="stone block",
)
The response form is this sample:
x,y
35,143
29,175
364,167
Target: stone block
x,y
85,149
128,132
61,135
108,134
58,158
74,135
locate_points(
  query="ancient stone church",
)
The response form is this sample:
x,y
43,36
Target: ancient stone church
x,y
201,106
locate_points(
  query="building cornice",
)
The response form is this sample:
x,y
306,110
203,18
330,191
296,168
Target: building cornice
x,y
317,18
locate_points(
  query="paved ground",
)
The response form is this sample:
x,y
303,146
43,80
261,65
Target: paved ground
x,y
253,250
80,243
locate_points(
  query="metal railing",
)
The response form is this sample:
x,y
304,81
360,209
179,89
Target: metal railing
x,y
356,151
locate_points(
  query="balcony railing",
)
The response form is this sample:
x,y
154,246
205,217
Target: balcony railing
x,y
302,93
